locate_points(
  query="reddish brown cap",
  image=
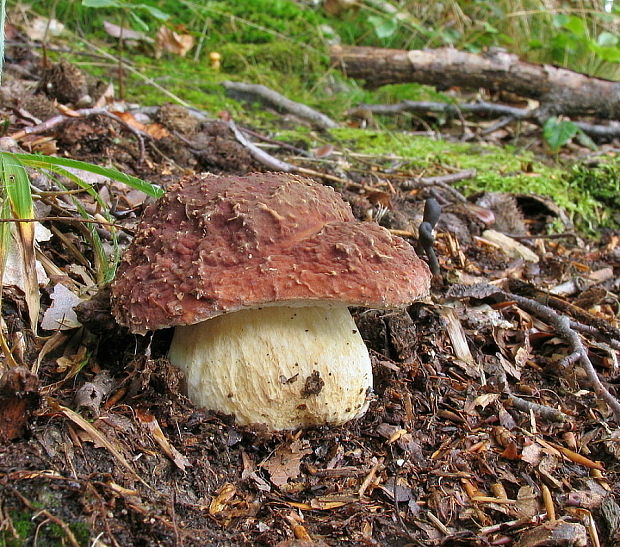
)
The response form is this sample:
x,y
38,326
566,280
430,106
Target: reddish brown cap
x,y
218,244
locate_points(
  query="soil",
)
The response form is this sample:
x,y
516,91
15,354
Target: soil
x,y
447,454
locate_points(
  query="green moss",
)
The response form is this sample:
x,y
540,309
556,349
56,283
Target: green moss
x,y
498,169
49,534
602,184
283,57
24,527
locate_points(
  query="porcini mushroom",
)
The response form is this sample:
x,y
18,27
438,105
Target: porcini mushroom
x,y
256,273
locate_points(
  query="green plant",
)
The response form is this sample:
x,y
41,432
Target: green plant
x,y
573,39
17,216
17,205
131,9
558,132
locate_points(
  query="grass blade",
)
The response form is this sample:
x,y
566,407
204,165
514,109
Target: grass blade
x,y
46,162
16,186
104,267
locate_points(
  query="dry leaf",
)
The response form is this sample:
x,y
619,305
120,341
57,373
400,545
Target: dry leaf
x,y
556,532
484,400
532,454
125,33
218,503
155,130
60,315
285,462
172,42
101,439
508,367
42,27
455,330
527,505
150,422
510,247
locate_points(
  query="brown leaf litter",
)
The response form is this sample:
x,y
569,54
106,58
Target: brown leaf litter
x,y
484,429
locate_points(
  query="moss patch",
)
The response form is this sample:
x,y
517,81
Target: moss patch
x,y
499,169
48,534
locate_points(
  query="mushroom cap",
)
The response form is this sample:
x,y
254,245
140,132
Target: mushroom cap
x,y
218,244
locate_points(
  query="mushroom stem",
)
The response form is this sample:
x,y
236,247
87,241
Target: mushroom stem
x,y
286,367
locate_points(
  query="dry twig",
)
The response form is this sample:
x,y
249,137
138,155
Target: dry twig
x,y
508,113
280,102
561,323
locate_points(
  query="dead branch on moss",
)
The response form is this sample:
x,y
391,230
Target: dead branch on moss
x,y
279,102
259,154
509,114
559,91
441,181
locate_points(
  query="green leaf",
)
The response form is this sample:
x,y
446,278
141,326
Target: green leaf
x,y
152,11
576,25
611,54
101,4
586,141
46,162
557,133
607,39
104,267
140,23
16,185
560,20
535,44
384,28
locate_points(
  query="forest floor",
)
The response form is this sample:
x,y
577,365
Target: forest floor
x,y
484,427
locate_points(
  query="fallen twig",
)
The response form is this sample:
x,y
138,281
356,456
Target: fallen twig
x,y
279,144
578,315
546,412
281,102
442,181
596,333
508,113
505,526
259,154
561,323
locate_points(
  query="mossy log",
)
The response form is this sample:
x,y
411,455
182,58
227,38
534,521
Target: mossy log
x,y
559,91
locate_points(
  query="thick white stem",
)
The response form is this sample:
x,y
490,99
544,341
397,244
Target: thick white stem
x,y
286,367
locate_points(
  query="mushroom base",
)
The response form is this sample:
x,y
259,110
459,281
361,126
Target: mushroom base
x,y
286,367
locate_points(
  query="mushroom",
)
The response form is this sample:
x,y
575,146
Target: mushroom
x,y
216,59
256,273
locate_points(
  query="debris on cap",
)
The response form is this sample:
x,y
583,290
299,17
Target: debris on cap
x,y
218,244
